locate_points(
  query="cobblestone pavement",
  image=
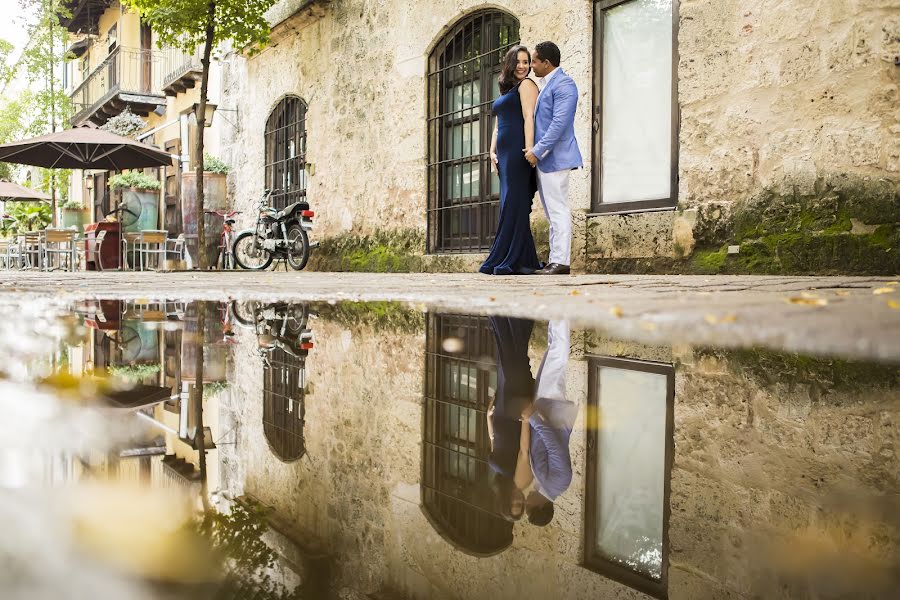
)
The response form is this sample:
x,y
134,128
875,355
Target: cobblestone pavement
x,y
854,317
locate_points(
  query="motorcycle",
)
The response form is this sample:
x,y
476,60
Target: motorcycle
x,y
278,234
277,326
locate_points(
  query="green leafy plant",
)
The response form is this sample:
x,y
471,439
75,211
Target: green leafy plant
x,y
212,388
214,164
30,216
133,179
133,372
73,205
125,123
8,226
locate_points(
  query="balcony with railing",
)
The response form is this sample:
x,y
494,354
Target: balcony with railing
x,y
181,70
129,77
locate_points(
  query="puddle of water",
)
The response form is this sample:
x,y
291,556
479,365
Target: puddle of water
x,y
194,450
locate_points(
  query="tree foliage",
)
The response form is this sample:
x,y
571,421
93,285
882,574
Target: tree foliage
x,y
182,23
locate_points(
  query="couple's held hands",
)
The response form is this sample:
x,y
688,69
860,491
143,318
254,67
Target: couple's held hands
x,y
530,157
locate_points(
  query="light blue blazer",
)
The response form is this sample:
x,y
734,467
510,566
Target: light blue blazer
x,y
554,125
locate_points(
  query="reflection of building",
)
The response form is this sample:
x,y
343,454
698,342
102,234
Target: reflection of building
x,y
460,381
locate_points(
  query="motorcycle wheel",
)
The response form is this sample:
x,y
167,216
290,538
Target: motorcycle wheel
x,y
246,256
244,313
297,247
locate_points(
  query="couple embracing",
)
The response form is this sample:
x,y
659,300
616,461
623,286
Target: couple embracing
x,y
533,149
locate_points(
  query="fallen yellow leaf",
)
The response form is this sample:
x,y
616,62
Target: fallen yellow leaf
x,y
808,301
894,304
574,293
492,298
842,293
616,311
893,283
884,290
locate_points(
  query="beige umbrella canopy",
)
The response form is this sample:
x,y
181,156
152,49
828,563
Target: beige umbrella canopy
x,y
14,192
84,148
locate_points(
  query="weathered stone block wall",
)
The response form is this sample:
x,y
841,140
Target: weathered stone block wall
x,y
361,67
789,121
786,109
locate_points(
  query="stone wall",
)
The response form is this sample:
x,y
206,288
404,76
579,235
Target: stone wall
x,y
787,118
780,487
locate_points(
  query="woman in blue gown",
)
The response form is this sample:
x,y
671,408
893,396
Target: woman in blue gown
x,y
513,251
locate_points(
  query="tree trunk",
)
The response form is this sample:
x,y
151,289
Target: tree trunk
x,y
201,124
52,121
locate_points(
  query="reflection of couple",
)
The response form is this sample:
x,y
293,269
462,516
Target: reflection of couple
x,y
530,422
533,148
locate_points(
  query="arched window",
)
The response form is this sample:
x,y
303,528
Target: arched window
x,y
284,392
286,152
456,494
463,195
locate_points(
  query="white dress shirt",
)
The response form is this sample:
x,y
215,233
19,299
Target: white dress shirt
x,y
543,81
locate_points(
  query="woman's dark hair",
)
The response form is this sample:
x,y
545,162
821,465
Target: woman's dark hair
x,y
508,78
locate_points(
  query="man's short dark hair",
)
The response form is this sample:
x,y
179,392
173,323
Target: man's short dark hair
x,y
548,51
541,515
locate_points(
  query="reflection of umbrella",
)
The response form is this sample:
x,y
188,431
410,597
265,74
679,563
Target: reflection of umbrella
x,y
138,396
84,148
12,191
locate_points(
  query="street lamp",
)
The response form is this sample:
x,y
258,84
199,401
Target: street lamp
x,y
210,110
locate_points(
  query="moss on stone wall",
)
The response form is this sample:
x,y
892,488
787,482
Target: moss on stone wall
x,y
841,225
768,368
382,316
389,251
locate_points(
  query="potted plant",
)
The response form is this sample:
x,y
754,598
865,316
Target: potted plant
x,y
215,173
73,215
30,216
140,198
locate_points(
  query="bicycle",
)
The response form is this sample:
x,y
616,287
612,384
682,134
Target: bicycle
x,y
225,260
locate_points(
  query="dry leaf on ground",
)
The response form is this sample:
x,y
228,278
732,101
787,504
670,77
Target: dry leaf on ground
x,y
616,311
884,290
808,300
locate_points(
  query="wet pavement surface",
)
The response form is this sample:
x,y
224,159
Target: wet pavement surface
x,y
153,447
853,317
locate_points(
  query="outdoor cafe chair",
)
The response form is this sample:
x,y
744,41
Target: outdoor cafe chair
x,y
61,243
29,250
91,249
175,246
146,243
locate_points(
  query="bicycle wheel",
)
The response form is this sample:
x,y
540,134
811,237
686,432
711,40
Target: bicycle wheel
x,y
247,253
297,247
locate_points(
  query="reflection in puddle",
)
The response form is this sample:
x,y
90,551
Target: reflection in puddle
x,y
175,450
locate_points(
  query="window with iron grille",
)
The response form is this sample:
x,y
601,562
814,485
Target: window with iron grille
x,y
284,411
286,152
463,194
460,380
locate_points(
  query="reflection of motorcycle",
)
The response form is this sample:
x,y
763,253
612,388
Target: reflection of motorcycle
x,y
278,326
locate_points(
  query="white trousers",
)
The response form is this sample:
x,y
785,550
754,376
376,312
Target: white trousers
x,y
550,391
554,190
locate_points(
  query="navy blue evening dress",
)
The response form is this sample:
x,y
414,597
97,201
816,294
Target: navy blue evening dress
x,y
513,251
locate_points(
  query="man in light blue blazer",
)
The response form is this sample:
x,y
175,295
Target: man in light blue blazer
x,y
555,152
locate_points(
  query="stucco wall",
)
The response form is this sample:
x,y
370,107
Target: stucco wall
x,y
773,99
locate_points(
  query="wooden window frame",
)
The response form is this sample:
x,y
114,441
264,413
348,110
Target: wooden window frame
x,y
277,136
597,205
481,211
593,560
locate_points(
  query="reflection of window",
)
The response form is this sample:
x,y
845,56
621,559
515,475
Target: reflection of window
x,y
629,466
635,139
284,392
460,380
285,166
463,196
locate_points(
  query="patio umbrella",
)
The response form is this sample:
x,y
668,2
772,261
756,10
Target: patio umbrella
x,y
84,148
14,192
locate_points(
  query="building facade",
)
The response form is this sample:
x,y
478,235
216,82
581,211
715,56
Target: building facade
x,y
119,64
718,136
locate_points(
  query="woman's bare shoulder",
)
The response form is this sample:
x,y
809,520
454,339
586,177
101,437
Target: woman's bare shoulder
x,y
529,84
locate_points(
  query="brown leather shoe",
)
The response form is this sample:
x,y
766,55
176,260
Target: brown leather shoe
x,y
554,269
